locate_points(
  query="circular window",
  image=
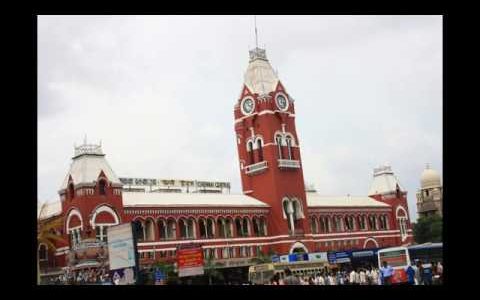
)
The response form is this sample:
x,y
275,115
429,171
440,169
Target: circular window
x,y
247,106
282,102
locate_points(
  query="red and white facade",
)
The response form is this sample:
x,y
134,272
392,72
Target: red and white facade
x,y
274,214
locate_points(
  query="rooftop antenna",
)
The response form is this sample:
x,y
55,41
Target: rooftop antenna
x,y
256,33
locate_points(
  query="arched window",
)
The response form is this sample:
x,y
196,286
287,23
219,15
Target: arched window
x,y
263,226
42,252
221,227
260,149
239,227
314,225
288,139
402,217
256,226
162,229
372,222
278,141
171,229
338,224
139,230
210,228
361,222
323,228
246,226
202,225
228,227
149,230
250,152
102,187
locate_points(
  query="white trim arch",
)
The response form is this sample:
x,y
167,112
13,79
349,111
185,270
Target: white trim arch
x,y
401,208
298,245
368,240
288,134
104,208
73,212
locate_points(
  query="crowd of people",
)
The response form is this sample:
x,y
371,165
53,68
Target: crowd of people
x,y
83,277
417,274
360,276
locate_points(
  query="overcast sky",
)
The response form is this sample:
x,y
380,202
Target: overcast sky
x,y
159,92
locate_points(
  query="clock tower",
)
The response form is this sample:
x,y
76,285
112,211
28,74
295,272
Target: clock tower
x,y
269,150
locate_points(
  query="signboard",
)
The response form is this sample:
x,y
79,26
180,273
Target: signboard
x,y
368,253
332,258
298,257
121,247
173,183
284,258
318,256
190,261
338,257
275,259
342,257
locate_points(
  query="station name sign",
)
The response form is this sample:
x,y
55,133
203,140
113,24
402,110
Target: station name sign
x,y
173,183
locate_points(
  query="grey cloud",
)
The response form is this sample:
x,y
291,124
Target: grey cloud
x,y
159,91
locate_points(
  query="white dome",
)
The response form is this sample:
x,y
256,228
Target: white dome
x,y
430,178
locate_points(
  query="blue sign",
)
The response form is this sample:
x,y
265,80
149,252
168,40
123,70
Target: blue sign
x,y
332,258
275,258
292,257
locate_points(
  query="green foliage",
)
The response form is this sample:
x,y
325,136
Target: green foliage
x,y
428,229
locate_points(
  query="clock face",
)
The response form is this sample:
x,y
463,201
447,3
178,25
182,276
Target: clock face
x,y
247,106
282,102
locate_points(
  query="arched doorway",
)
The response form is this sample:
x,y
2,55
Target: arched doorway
x,y
298,248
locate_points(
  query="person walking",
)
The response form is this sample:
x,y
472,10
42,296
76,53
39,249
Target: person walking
x,y
352,277
363,277
290,279
410,274
386,273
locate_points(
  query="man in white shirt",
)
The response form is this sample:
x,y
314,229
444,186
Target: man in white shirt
x,y
352,277
363,277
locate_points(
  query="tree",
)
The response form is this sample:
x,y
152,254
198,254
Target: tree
x,y
211,272
428,229
47,237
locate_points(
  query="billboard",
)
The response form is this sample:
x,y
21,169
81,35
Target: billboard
x,y
121,247
190,261
318,256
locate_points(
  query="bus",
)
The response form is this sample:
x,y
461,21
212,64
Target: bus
x,y
400,257
262,273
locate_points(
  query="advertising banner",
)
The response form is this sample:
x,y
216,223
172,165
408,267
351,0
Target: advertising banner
x,y
190,261
121,248
284,258
318,256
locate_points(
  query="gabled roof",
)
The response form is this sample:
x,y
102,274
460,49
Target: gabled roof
x,y
86,168
49,209
260,78
316,200
143,199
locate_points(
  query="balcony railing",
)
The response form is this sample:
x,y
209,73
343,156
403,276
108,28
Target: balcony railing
x,y
256,168
288,164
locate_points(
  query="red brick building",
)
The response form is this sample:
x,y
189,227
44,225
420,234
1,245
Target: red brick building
x,y
275,213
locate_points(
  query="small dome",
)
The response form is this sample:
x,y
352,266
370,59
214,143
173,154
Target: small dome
x,y
430,178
